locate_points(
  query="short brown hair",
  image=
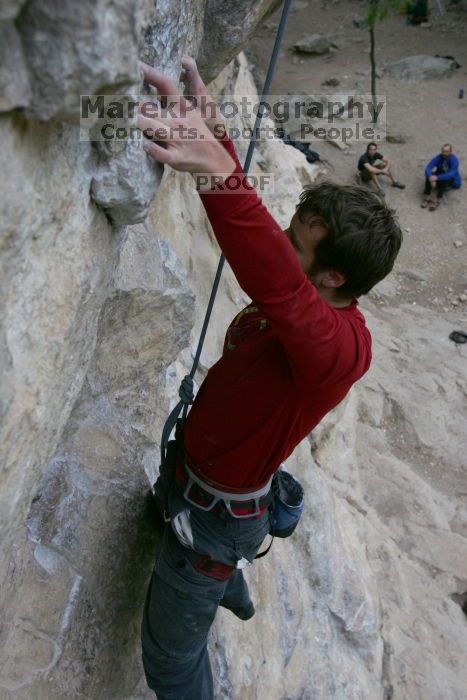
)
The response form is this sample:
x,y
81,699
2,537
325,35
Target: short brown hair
x,y
363,237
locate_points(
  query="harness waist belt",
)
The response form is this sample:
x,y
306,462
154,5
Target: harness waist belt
x,y
206,497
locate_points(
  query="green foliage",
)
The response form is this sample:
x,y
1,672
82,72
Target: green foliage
x,y
378,10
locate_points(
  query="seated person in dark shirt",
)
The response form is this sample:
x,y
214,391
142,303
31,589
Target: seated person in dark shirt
x,y
441,173
373,164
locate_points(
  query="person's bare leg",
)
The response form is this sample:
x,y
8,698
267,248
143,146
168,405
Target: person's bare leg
x,y
427,194
374,179
388,172
433,196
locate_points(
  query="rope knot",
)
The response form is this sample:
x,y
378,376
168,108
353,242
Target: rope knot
x,y
185,391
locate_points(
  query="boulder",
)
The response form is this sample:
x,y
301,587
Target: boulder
x,y
422,67
315,44
331,82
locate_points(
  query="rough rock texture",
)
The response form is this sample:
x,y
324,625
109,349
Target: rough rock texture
x,y
98,324
104,36
402,472
223,23
17,92
420,68
92,48
9,9
87,539
124,184
212,31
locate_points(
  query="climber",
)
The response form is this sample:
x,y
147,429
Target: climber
x,y
289,357
373,164
441,173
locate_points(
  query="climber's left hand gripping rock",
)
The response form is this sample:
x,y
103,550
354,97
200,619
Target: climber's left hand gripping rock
x,y
176,132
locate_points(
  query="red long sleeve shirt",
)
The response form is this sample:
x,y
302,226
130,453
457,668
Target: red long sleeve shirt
x,y
289,357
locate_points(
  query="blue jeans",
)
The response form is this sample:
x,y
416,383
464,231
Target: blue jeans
x,y
181,601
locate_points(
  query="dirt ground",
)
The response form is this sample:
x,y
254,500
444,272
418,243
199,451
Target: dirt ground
x,y
432,267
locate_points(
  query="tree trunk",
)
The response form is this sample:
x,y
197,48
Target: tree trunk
x,y
373,73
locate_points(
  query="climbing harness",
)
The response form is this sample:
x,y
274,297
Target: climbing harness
x,y
232,501
196,491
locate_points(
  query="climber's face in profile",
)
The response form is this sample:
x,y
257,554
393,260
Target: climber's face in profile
x,y
305,237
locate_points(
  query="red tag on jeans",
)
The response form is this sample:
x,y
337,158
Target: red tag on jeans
x,y
214,569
